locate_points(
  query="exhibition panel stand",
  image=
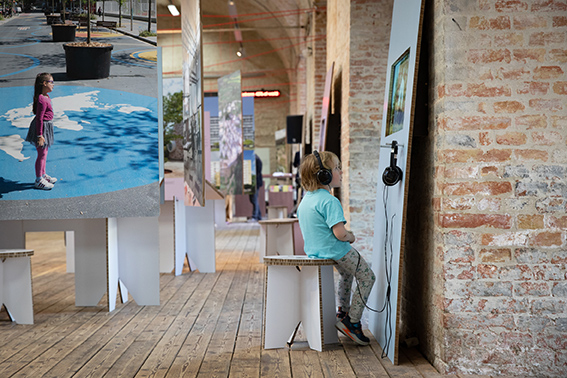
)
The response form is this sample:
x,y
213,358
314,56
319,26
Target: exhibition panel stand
x,y
131,255
194,227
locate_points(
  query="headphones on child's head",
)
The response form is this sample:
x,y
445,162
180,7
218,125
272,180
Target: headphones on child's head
x,y
324,175
392,174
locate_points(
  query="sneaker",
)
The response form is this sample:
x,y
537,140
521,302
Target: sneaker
x,y
341,314
352,330
43,184
51,180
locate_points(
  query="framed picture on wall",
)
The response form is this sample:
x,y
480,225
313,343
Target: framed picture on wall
x,y
397,94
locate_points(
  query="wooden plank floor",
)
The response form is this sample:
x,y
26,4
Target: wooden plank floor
x,y
208,325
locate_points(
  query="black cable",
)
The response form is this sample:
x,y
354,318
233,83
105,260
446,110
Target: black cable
x,y
388,270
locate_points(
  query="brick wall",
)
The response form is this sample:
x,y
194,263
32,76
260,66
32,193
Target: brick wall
x,y
360,58
500,195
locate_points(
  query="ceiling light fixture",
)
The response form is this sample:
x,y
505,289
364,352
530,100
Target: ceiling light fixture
x,y
173,10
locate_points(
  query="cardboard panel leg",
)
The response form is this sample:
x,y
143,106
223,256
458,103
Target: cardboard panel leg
x,y
180,236
282,312
16,288
200,234
90,261
138,258
12,234
70,250
166,237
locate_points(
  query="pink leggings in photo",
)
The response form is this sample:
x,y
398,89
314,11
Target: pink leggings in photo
x,y
40,162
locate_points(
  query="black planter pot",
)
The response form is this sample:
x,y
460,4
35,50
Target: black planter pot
x,y
63,32
87,62
53,19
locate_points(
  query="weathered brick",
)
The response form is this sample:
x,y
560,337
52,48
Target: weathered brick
x,y
484,138
531,155
548,105
461,172
487,271
549,5
460,140
558,222
525,55
459,271
530,256
546,38
523,22
560,87
529,188
510,5
483,23
477,321
546,239
512,138
550,272
515,273
550,205
530,221
459,238
494,56
559,21
508,106
477,123
558,55
476,155
491,288
533,323
482,90
534,88
532,121
547,72
476,220
457,204
532,289
550,172
490,188
489,171
548,306
516,171
505,239
559,289
495,255
459,255
489,204
546,138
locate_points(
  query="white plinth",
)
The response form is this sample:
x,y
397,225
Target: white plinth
x,y
16,284
299,289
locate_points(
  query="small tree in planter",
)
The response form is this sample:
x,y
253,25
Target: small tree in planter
x,y
88,60
64,32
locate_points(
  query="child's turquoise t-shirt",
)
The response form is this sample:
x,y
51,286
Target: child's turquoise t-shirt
x,y
318,212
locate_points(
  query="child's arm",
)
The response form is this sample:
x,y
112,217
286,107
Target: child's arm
x,y
342,233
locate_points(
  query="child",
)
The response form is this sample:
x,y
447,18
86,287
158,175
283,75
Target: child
x,y
322,224
40,133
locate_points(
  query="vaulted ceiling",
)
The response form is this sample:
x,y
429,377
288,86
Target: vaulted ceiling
x,y
279,23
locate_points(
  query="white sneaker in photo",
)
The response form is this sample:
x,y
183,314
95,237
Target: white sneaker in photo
x,y
43,184
51,180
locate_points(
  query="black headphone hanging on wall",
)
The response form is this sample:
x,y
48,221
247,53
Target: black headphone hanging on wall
x,y
324,175
392,174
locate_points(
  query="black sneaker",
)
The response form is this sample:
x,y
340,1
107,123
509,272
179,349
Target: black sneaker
x,y
352,330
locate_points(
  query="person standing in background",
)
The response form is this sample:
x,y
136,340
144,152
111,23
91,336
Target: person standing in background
x,y
254,198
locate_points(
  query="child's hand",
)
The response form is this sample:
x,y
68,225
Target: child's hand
x,y
40,141
352,237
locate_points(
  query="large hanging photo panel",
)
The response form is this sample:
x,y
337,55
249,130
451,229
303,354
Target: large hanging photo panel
x,y
193,141
230,131
391,193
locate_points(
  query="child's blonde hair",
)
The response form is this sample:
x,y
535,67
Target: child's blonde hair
x,y
310,166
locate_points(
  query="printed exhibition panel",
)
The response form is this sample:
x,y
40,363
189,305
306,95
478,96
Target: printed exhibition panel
x,y
211,104
395,149
192,103
105,153
230,130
